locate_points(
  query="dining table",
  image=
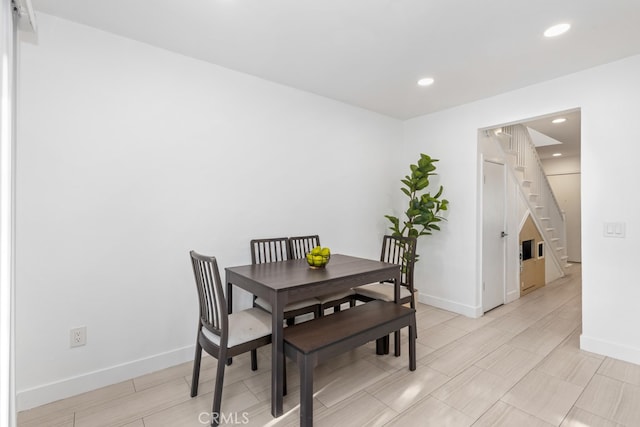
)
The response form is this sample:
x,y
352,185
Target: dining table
x,y
284,282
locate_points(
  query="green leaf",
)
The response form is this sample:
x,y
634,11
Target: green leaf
x,y
422,210
422,183
393,219
439,193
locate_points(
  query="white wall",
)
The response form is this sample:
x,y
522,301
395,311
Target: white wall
x,y
564,178
609,98
131,156
561,165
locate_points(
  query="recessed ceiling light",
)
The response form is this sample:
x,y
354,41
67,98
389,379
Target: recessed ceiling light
x,y
557,154
558,120
556,30
427,81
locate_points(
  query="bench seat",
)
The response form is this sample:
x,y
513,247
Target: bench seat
x,y
312,342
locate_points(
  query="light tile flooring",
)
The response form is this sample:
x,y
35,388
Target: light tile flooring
x,y
519,365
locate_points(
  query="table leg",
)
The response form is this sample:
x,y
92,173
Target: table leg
x,y
229,298
277,354
229,310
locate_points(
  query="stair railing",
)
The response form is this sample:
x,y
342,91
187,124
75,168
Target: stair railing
x,y
548,215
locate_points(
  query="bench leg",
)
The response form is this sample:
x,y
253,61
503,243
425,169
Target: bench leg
x,y
306,364
412,346
396,339
382,345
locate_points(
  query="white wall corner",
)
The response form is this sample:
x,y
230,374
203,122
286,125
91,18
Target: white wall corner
x,y
610,349
456,307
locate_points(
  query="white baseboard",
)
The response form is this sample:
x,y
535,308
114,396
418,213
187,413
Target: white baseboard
x,y
610,349
47,393
512,296
456,307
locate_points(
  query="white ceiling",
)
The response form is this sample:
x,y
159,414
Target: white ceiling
x,y
370,53
567,134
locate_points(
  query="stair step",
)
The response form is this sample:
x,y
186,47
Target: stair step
x,y
550,229
559,248
533,195
545,219
539,207
564,258
526,182
555,239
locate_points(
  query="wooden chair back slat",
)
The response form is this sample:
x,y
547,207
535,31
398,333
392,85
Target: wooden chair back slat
x,y
301,245
269,250
213,306
402,251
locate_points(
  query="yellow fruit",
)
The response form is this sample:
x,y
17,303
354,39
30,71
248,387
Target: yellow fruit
x,y
325,252
316,250
318,260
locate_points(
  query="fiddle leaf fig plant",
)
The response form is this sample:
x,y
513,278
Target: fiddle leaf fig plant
x,y
424,209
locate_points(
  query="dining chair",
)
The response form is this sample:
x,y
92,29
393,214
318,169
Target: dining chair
x,y
299,247
396,250
220,334
273,250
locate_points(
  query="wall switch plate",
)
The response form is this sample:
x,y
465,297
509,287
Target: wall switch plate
x,y
78,337
615,229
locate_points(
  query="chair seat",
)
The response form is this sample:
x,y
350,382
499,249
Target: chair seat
x,y
335,296
263,303
381,291
244,326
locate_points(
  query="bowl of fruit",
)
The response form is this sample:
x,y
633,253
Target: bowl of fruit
x,y
318,257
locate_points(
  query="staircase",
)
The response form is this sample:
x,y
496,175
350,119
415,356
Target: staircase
x,y
522,159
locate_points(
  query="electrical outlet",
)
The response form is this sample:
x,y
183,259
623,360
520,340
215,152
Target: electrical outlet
x,y
78,336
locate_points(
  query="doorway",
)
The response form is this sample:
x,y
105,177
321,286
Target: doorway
x,y
557,142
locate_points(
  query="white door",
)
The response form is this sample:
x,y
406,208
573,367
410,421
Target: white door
x,y
493,235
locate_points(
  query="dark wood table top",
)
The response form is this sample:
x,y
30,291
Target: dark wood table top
x,y
296,274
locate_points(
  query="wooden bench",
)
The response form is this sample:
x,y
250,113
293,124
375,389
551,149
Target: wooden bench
x,y
311,342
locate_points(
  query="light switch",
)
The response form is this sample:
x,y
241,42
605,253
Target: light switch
x,y
614,229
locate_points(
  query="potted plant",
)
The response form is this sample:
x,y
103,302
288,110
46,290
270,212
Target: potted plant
x,y
424,209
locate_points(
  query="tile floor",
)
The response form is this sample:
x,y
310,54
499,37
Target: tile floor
x,y
519,365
